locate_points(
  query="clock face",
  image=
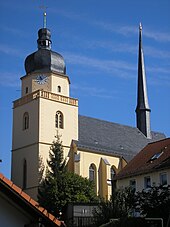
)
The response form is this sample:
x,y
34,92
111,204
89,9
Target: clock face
x,y
41,79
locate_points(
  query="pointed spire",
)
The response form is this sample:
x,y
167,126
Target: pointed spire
x,y
142,109
44,20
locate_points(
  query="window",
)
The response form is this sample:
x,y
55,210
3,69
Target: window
x,y
92,172
26,90
59,89
147,182
112,173
93,176
163,179
156,156
59,120
24,174
25,121
133,184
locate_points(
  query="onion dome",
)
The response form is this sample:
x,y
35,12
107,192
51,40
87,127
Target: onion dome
x,y
44,59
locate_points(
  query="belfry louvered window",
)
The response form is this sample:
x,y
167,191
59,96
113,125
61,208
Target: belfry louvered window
x,y
59,121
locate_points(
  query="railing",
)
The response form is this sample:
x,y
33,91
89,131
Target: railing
x,y
81,222
45,95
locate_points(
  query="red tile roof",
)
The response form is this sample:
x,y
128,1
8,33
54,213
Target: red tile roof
x,y
142,163
17,192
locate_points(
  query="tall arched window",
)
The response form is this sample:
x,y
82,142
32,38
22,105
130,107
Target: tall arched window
x,y
92,172
112,172
93,176
25,121
59,121
24,174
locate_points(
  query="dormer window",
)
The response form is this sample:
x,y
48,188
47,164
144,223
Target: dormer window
x,y
156,156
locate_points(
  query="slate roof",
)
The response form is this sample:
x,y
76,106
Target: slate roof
x,y
146,161
111,138
23,200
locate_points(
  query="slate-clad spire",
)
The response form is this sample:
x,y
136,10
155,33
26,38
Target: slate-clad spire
x,y
142,109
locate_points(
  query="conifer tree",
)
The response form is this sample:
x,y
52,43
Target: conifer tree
x,y
59,187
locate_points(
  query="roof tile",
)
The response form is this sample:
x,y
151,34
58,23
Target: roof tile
x,y
17,189
25,196
33,202
7,181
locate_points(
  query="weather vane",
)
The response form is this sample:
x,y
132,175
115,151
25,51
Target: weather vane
x,y
44,8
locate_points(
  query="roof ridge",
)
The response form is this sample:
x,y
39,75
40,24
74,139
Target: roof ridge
x,y
115,123
111,122
158,141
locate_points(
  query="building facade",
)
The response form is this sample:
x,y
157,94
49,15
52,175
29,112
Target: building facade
x,y
150,167
94,148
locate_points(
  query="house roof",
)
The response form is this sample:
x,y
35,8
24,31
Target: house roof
x,y
154,157
26,202
112,138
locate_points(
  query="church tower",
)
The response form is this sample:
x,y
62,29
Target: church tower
x,y
44,110
142,109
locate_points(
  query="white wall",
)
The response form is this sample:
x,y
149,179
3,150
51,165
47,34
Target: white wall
x,y
155,179
11,215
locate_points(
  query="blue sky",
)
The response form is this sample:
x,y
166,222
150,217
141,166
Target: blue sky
x,y
99,42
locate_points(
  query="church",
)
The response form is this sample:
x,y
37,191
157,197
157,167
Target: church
x,y
93,148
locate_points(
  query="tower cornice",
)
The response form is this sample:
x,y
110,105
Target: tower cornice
x,y
45,95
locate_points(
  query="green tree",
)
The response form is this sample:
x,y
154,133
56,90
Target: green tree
x,y
155,202
59,187
120,205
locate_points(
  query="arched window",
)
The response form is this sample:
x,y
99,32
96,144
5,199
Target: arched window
x,y
92,172
59,89
93,176
59,121
112,172
25,121
24,174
